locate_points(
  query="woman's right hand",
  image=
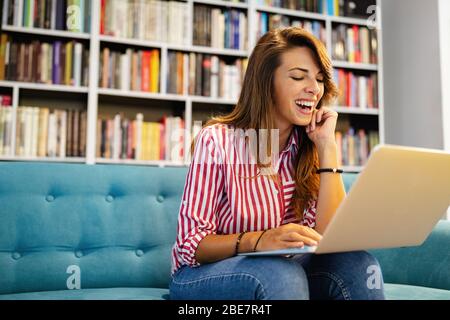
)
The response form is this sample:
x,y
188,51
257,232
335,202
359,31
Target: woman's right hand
x,y
289,235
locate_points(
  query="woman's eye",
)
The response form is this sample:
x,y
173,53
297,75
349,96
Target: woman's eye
x,y
297,79
321,80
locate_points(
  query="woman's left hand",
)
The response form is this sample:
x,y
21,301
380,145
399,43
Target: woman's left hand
x,y
322,127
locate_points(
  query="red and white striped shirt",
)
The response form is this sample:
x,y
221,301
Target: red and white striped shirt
x,y
219,198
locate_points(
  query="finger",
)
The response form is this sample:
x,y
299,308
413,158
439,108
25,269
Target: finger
x,y
313,234
305,231
319,115
296,237
293,244
291,236
328,113
313,120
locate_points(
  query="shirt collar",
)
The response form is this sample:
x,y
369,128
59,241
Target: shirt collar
x,y
293,139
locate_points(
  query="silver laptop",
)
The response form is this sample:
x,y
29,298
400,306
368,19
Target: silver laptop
x,y
395,201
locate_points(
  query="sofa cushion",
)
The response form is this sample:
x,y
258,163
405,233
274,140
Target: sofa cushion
x,y
107,226
93,294
406,292
423,266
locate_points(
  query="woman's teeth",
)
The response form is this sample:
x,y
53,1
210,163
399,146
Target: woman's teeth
x,y
304,104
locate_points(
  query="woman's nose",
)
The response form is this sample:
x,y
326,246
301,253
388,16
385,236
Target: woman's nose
x,y
313,88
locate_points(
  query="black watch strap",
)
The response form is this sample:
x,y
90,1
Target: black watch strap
x,y
333,170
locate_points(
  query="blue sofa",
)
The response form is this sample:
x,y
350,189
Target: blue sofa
x,y
75,231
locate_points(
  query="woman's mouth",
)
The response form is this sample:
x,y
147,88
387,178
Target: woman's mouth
x,y
304,107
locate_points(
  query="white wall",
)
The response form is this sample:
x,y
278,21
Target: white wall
x,y
412,73
444,32
416,72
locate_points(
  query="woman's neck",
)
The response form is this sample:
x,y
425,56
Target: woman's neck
x,y
284,136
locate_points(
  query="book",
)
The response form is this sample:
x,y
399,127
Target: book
x,y
68,15
206,75
356,89
354,146
163,21
219,28
354,43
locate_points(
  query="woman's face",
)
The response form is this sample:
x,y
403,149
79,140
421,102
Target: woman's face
x,y
298,86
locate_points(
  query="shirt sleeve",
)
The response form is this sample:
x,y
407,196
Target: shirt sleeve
x,y
202,191
309,214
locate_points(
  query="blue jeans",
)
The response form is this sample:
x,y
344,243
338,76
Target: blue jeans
x,y
337,276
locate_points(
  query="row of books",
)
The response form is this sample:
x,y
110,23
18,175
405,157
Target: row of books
x,y
204,75
41,132
267,21
70,15
356,90
220,28
51,63
354,146
136,70
123,138
6,119
5,100
163,21
318,6
348,8
354,43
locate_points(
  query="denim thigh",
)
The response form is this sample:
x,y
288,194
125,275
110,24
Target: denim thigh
x,y
352,275
241,278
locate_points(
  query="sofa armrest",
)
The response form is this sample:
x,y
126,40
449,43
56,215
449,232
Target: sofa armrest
x,y
427,265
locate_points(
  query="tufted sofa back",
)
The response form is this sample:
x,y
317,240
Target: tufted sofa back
x,y
114,225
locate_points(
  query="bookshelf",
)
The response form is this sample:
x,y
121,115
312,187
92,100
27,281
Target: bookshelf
x,y
99,101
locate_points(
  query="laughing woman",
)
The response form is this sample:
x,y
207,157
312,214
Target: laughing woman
x,y
233,203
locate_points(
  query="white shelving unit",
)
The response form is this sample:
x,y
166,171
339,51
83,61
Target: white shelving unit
x,y
94,92
47,32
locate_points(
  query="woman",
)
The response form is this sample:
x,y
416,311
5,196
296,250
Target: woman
x,y
233,203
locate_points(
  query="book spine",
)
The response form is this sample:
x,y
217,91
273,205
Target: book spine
x,y
155,73
78,50
60,15
56,62
82,135
145,71
53,14
69,134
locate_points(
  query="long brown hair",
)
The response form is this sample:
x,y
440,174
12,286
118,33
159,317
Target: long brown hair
x,y
255,107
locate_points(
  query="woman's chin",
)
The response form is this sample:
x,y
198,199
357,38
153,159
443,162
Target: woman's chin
x,y
302,121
